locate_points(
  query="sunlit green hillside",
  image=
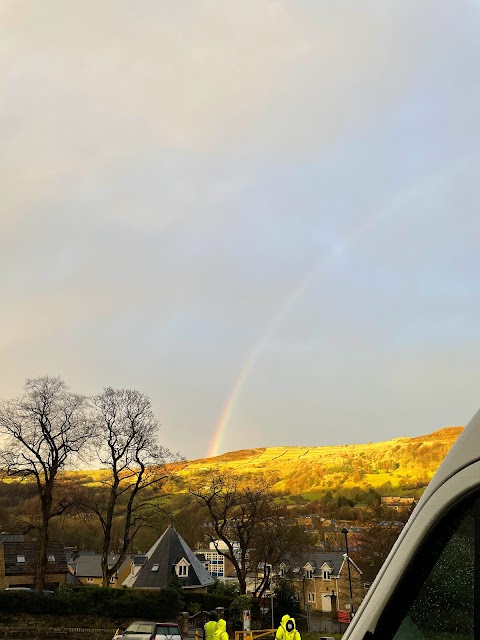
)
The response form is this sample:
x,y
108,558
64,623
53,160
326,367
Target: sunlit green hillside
x,y
402,464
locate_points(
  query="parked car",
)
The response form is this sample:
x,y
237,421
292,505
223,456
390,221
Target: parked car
x,y
46,592
146,630
429,585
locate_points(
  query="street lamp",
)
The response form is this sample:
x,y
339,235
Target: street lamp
x,y
269,567
345,533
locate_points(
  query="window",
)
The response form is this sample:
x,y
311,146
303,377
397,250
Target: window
x,y
89,579
326,575
155,567
20,559
309,573
182,570
436,596
168,630
51,557
311,597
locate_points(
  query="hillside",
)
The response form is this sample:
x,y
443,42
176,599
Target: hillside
x,y
401,464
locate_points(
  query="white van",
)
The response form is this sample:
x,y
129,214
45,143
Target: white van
x,y
429,586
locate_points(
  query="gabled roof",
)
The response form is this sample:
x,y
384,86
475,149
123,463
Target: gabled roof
x,y
11,537
334,559
89,564
167,551
29,551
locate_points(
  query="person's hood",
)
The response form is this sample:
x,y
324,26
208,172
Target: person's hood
x,y
294,625
284,619
221,625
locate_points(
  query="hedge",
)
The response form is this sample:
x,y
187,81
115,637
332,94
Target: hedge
x,y
207,601
161,605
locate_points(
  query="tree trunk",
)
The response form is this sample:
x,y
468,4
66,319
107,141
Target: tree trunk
x,y
40,568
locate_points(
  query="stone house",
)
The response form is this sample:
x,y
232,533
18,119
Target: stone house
x,y
86,567
19,559
322,582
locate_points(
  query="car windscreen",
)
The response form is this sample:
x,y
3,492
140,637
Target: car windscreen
x,y
137,627
168,630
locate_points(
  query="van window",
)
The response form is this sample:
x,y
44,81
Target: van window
x,y
436,596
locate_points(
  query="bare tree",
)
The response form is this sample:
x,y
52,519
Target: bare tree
x,y
377,540
135,464
236,507
44,429
277,538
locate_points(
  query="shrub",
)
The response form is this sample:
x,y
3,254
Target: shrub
x,y
164,604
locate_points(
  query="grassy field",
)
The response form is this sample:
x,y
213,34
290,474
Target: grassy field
x,y
403,463
401,466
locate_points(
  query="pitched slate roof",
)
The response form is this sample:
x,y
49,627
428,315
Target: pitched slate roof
x,y
317,559
29,551
167,551
89,564
12,537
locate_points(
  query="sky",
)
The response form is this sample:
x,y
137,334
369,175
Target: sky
x,y
263,214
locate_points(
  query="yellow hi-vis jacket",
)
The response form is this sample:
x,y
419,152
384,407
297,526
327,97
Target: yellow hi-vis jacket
x,y
210,628
287,629
221,632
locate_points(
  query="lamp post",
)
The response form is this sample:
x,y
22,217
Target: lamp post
x,y
345,533
269,567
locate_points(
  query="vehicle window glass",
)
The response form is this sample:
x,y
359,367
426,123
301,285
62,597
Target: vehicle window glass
x,y
136,627
435,600
168,630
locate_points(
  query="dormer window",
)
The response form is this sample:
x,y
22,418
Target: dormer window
x,y
181,568
309,570
326,571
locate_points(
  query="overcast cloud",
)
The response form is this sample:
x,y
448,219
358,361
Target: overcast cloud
x,y
289,189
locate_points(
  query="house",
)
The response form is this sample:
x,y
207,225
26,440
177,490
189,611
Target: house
x,y
404,504
306,521
322,581
217,565
86,567
19,559
170,556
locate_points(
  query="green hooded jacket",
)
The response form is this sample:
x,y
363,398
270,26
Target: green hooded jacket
x,y
221,632
287,629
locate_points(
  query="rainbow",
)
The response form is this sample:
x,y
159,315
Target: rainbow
x,y
353,236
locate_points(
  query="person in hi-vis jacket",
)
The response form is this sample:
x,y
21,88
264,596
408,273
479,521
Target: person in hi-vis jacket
x,y
287,629
210,627
221,632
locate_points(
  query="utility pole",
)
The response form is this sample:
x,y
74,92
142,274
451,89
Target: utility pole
x,y
345,533
270,568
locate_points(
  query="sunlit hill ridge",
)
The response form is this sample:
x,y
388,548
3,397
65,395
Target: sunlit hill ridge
x,y
401,464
